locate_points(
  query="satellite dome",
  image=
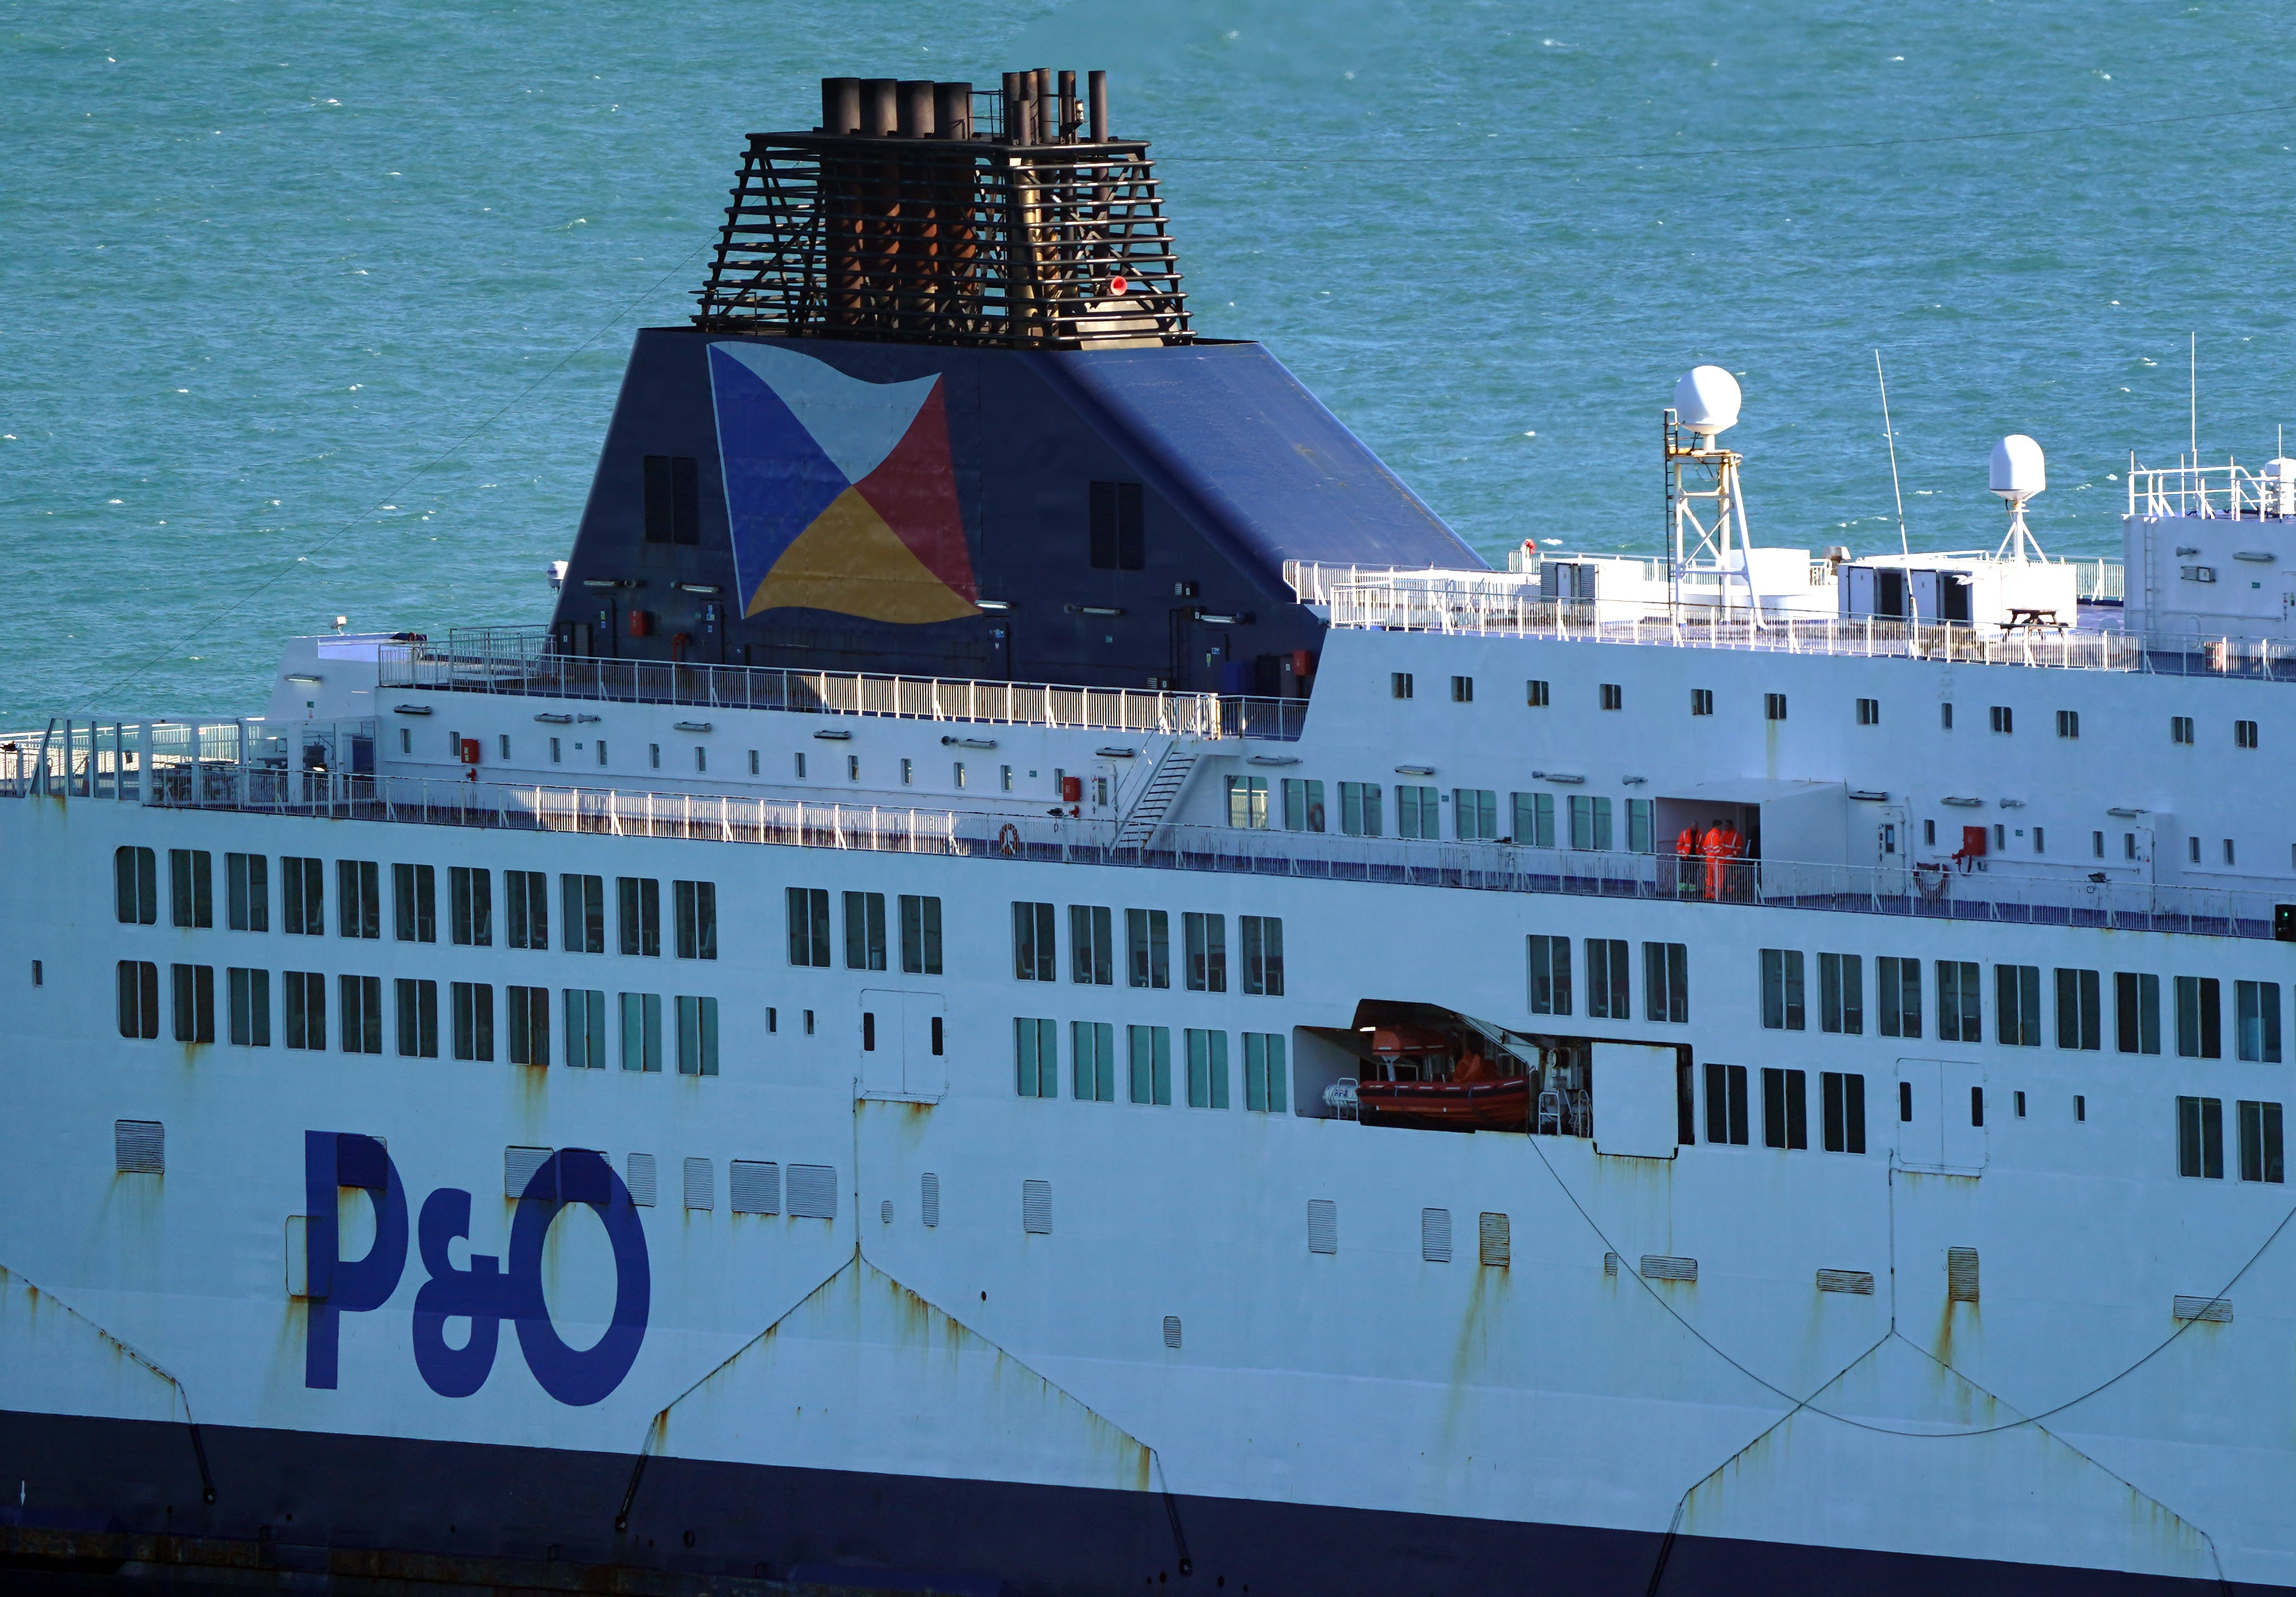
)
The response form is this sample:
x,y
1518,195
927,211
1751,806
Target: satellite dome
x,y
2018,471
1707,400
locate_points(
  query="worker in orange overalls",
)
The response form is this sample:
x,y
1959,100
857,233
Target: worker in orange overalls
x,y
1714,848
1734,849
1685,849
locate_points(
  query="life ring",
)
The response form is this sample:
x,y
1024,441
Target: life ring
x,y
1008,840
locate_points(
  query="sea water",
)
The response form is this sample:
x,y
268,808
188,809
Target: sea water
x,y
318,310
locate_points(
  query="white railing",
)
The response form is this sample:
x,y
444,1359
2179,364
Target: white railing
x,y
2224,491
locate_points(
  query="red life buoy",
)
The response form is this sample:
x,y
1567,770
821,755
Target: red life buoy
x,y
1008,839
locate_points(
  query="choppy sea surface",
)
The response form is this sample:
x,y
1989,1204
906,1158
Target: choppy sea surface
x,y
310,310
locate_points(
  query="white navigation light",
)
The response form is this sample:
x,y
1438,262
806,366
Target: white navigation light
x,y
1707,400
2018,472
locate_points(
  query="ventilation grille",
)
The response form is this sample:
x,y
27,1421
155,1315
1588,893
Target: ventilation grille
x,y
1860,1281
2216,1311
813,1191
1609,1263
929,1198
518,1165
1172,1332
885,1211
1323,1225
139,1147
642,1180
701,1184
1036,1208
755,1187
1495,1240
1961,1274
1435,1236
1666,1267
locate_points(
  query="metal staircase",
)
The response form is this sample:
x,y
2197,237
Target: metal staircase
x,y
1164,786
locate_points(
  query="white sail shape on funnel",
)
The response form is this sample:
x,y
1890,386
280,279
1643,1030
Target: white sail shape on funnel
x,y
855,424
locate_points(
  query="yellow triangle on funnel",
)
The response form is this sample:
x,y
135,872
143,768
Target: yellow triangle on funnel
x,y
851,561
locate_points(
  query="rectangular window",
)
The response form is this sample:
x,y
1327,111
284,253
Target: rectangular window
x,y
414,901
2003,722
136,886
695,906
1869,713
190,887
1474,814
2136,1013
1897,989
1303,805
1844,1112
1959,1019
1773,706
585,1029
1033,949
637,903
1590,822
2180,728
1263,954
474,1019
1092,945
358,894
417,1006
2080,1021
362,1014
1418,812
1207,936
2200,1138
1093,1060
247,888
1463,690
1550,976
1149,1050
194,1004
1148,945
1726,1104
1606,979
525,1015
250,1007
1785,1109
1781,990
1641,828
2244,734
1665,982
1701,701
1207,1069
864,931
2069,723
304,1009
2257,1006
1398,683
2017,1004
1359,807
1841,994
1945,717
1118,527
1614,697
1536,695
2199,1018
2260,1159
673,500
1533,819
1247,802
809,927
920,934
526,910
697,1036
1266,1078
471,905
641,1030
1036,1058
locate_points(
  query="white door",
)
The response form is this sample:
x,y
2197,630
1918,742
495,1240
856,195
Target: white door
x,y
1965,1110
880,1042
924,1052
1942,1109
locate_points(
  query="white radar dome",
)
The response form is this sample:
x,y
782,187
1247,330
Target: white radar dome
x,y
1707,400
2018,470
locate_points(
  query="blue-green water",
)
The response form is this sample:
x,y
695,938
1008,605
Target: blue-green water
x,y
265,268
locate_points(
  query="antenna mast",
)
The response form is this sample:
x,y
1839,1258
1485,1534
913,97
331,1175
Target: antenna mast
x,y
1698,469
1912,606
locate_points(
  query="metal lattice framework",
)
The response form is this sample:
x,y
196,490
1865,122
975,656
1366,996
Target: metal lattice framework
x,y
970,242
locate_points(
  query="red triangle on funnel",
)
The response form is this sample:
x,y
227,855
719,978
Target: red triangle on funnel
x,y
915,490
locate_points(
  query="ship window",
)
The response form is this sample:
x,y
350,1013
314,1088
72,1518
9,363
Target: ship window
x,y
1843,1127
194,1001
2136,1013
641,1018
1614,697
526,1013
2244,734
585,1029
1418,812
1148,947
2200,1138
1266,1078
695,906
909,773
2180,728
653,756
2258,1006
405,740
1207,1069
1606,979
773,1019
473,1005
304,1009
2080,1107
1034,954
1701,701
417,1004
1092,945
1869,713
2003,720
469,895
1841,994
800,765
2040,840
135,885
2260,1159
1773,706
1929,833
2017,1004
2096,847
190,887
247,890
753,762
1475,814
1536,695
1005,778
1726,1104
601,751
956,774
920,934
1897,989
1398,683
1550,976
1781,990
637,903
583,899
2193,850
1590,822
1945,717
1207,951
2069,723
555,752
864,931
251,1007
1959,1001
697,1036
1463,690
358,892
414,894
1118,527
701,759
1092,1054
1785,1109
1247,801
2198,1034
2079,1020
673,500
362,1014
503,743
1303,805
1036,1058
2020,1097
1665,982
2227,851
1149,1052
1262,936
1533,819
1642,825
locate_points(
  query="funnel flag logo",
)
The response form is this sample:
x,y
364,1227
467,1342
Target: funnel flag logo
x,y
840,491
